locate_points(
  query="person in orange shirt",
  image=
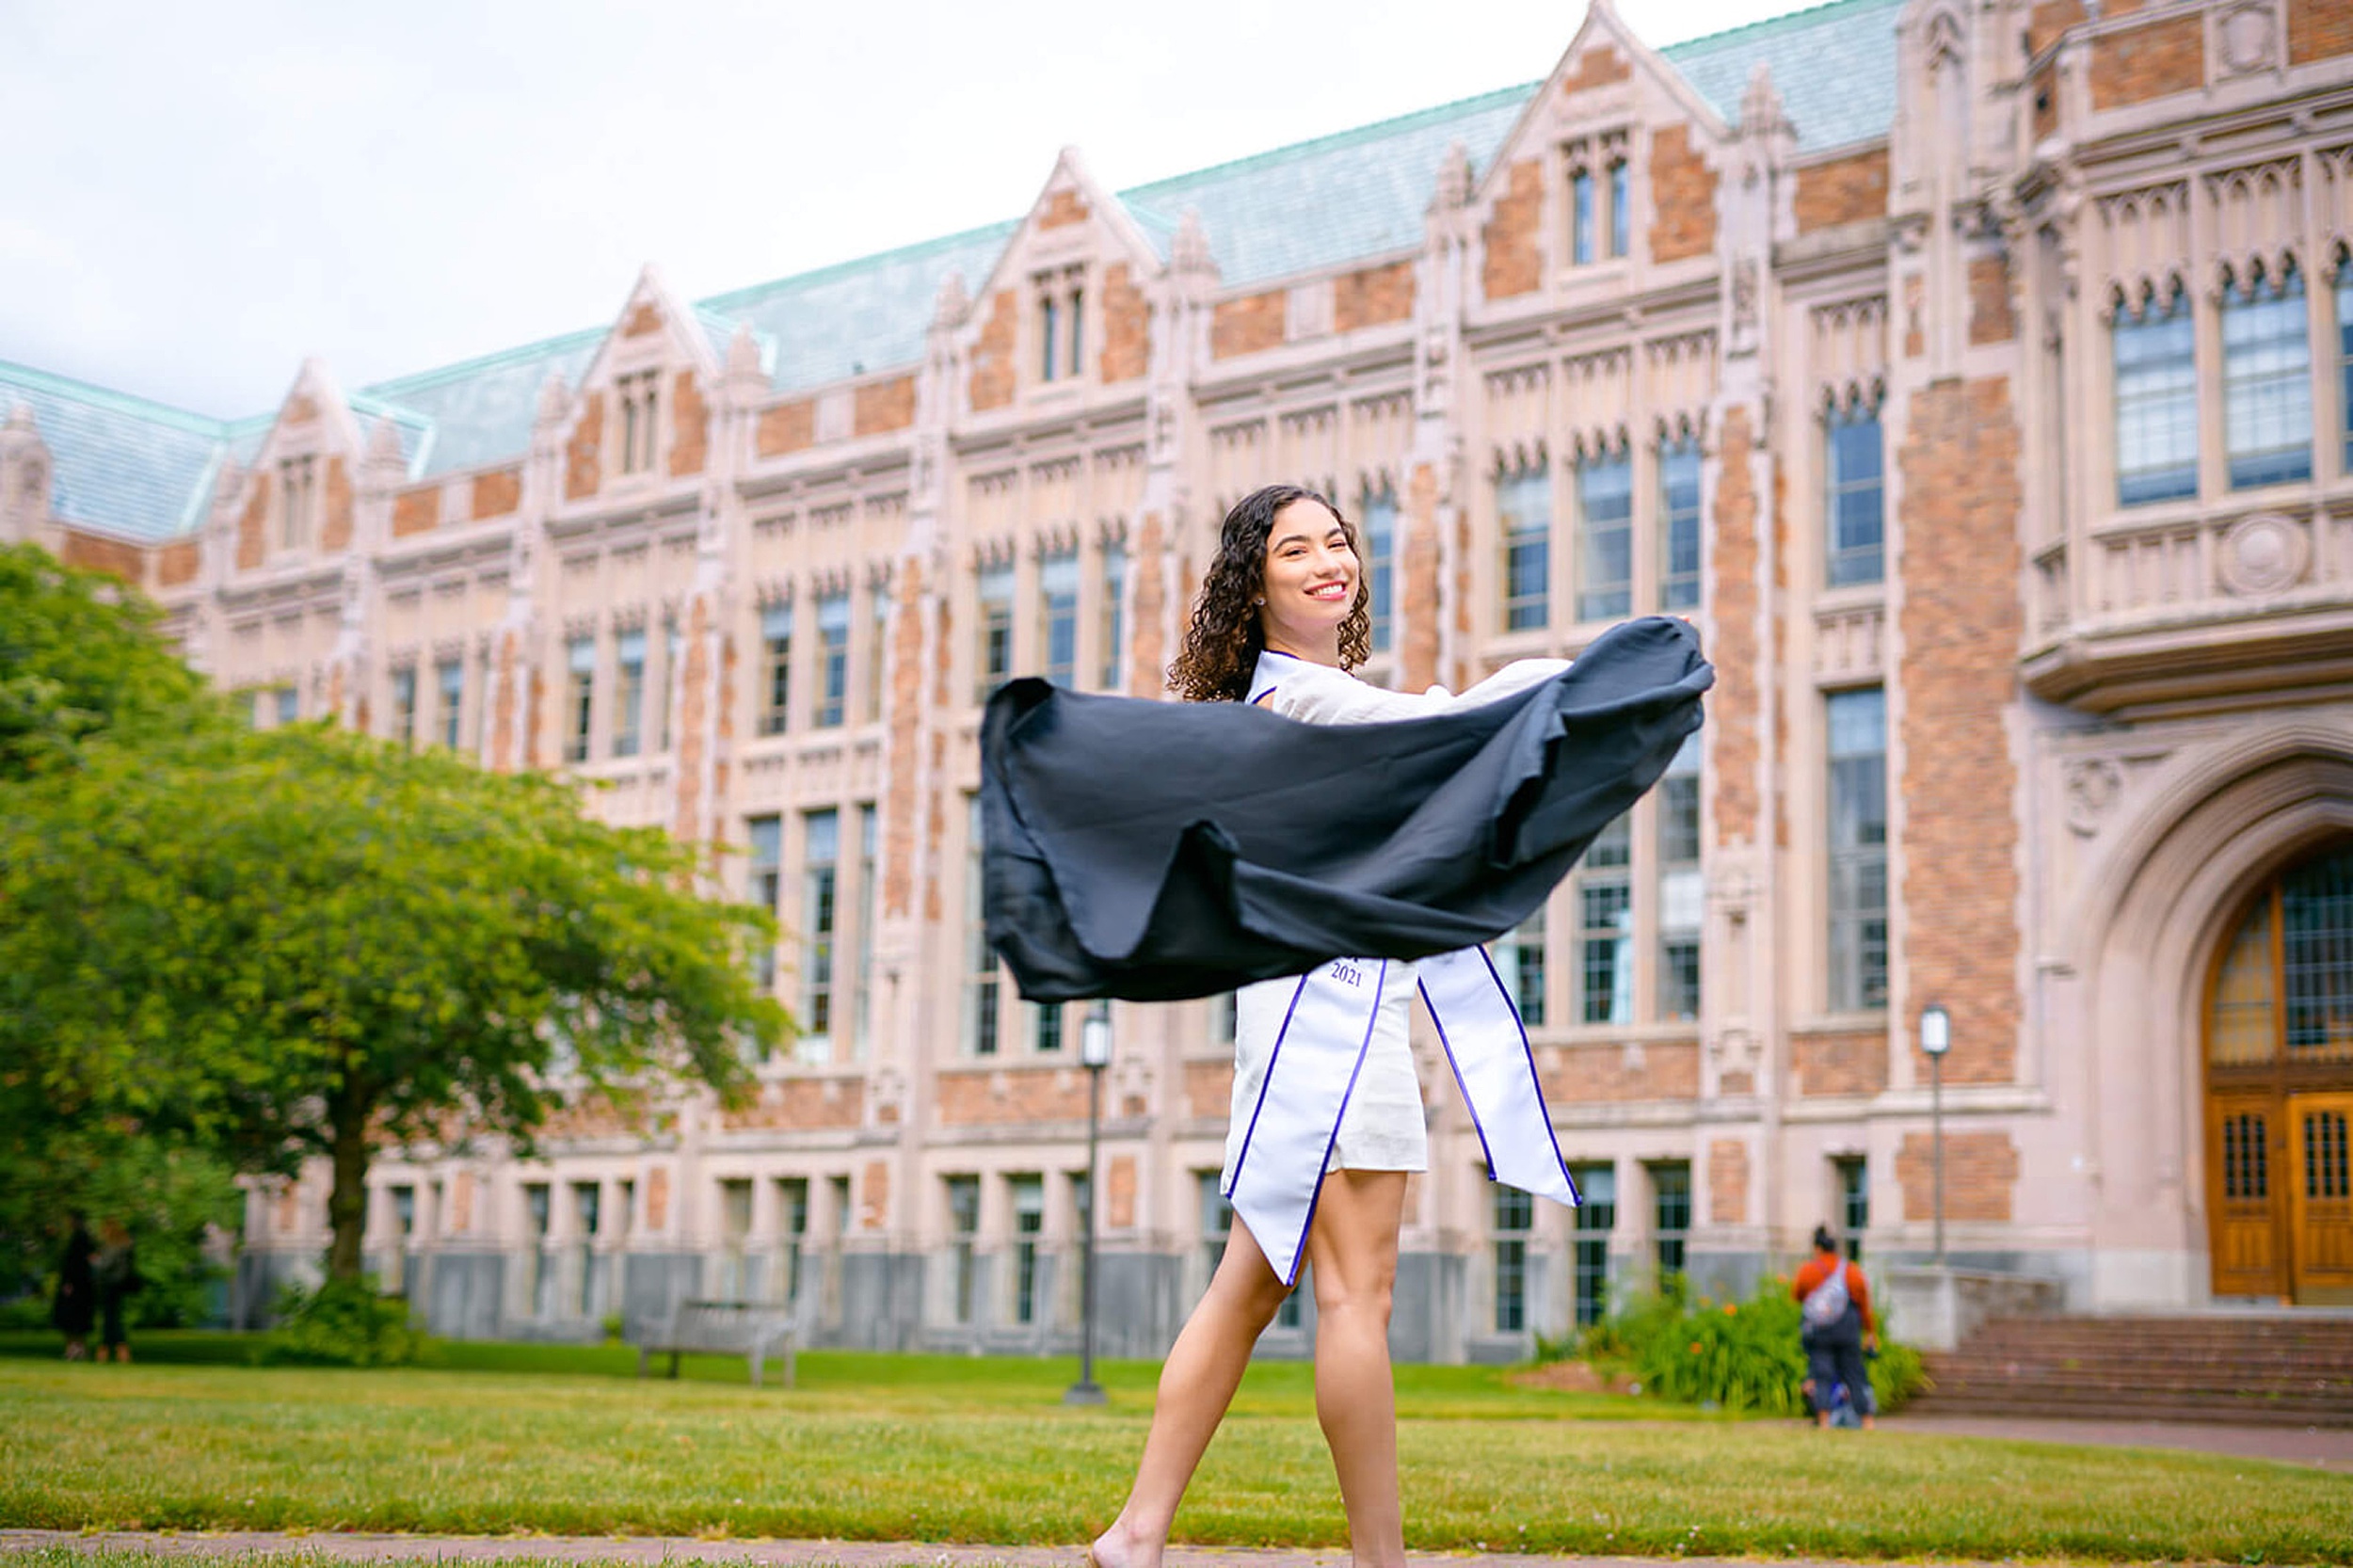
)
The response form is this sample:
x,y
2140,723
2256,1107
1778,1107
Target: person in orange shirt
x,y
1834,1302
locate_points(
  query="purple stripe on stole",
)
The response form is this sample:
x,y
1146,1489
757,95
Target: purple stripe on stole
x,y
1486,1151
1577,1199
1380,981
1233,1177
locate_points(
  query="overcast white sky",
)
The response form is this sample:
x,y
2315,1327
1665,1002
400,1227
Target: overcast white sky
x,y
197,196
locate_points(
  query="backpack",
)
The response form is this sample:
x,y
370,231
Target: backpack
x,y
1826,1303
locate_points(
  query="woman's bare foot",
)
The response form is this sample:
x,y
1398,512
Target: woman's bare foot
x,y
1117,1548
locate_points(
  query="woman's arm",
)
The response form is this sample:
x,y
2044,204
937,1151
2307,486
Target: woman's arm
x,y
1317,694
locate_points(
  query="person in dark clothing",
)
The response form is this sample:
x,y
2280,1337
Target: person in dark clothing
x,y
1836,1326
116,1270
74,1307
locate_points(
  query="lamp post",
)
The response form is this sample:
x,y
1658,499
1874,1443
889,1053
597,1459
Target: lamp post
x,y
1936,1038
1095,1052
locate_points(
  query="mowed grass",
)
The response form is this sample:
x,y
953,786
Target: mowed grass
x,y
953,1448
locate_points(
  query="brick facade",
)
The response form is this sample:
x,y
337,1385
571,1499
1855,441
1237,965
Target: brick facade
x,y
785,427
1683,198
495,494
1374,297
1852,1062
2318,30
1591,1075
1981,1177
1842,191
1727,1181
1735,711
416,511
1512,238
1960,629
992,381
690,426
1989,317
583,463
1127,327
880,408
1250,324
2163,59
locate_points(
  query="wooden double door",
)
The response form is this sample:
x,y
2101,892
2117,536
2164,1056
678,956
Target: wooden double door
x,y
2280,1092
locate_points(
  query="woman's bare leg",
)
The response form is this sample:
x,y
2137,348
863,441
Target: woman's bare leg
x,y
1197,1382
1353,1251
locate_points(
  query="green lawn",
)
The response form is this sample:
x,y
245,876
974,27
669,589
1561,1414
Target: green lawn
x,y
955,1448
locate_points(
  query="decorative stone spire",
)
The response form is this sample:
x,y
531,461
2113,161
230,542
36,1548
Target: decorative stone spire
x,y
1760,104
556,399
953,306
744,354
384,455
1454,180
1189,252
24,475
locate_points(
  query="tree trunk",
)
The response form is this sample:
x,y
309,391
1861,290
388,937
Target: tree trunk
x,y
348,1205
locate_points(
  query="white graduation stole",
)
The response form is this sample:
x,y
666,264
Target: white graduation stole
x,y
1313,1068
1312,1071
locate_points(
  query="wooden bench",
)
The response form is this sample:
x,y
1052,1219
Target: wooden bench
x,y
725,1328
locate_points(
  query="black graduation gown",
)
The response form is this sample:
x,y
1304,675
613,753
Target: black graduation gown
x,y
1153,851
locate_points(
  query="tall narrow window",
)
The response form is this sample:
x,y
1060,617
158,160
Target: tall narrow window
x,y
1058,616
833,659
821,854
1515,1221
1854,1203
764,873
1046,1032
404,705
862,1007
1380,536
2345,353
1029,1224
1114,618
964,1229
1520,963
2266,380
286,704
628,693
1076,333
1670,1214
1589,1254
1581,216
877,649
579,697
1680,903
1857,494
2156,402
1679,523
980,986
775,652
1858,849
1621,208
449,692
664,699
1524,507
297,501
1605,902
640,397
1605,516
995,661
1049,336
792,1238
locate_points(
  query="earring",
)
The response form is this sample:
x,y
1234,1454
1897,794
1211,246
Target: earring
x,y
1258,601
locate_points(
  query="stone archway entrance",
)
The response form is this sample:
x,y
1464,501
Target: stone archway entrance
x,y
2279,1089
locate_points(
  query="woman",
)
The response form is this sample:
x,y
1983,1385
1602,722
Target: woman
x,y
116,1271
1835,1327
1282,618
74,1308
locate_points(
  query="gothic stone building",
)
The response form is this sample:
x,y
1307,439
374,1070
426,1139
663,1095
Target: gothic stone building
x,y
1979,377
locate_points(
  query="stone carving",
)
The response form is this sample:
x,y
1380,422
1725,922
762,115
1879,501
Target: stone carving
x,y
2093,785
2248,38
2266,553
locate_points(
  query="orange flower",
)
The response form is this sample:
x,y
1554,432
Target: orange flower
x,y
1695,1347
1730,1308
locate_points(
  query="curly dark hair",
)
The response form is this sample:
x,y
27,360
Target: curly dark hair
x,y
1222,643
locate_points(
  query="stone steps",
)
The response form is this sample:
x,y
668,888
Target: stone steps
x,y
2258,1370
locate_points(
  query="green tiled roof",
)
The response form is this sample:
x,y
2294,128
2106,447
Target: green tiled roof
x,y
145,471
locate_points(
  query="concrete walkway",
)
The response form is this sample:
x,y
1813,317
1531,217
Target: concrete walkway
x,y
2328,1447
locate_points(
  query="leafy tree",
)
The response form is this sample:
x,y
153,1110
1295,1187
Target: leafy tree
x,y
308,942
79,657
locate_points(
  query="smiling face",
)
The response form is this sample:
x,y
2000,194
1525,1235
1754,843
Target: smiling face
x,y
1310,581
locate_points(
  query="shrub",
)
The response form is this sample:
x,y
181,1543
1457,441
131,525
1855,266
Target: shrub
x,y
1740,1355
341,1323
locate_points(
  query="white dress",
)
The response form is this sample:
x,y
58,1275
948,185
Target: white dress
x,y
1383,1127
